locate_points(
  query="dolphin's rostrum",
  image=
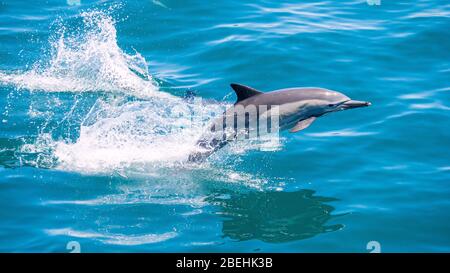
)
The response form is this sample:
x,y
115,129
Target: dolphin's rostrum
x,y
296,109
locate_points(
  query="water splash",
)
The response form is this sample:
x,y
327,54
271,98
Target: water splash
x,y
87,59
131,127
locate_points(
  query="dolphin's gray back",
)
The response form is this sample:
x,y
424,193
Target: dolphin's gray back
x,y
283,96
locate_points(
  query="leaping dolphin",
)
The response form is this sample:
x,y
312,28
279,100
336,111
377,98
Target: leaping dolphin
x,y
297,109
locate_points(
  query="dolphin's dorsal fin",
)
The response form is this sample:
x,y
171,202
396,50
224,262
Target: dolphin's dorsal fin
x,y
244,92
302,124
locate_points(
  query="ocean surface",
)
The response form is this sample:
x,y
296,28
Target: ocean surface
x,y
94,140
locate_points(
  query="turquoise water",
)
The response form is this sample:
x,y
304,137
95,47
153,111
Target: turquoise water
x,y
93,150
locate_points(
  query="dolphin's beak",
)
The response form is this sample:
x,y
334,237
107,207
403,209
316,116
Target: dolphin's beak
x,y
350,104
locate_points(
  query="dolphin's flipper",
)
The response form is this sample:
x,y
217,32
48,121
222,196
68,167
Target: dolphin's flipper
x,y
244,92
302,124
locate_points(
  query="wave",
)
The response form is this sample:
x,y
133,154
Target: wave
x,y
341,133
433,105
294,18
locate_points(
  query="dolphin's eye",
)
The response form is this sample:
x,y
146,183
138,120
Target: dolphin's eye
x,y
330,105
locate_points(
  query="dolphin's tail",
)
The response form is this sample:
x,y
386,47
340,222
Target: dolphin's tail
x,y
197,157
206,149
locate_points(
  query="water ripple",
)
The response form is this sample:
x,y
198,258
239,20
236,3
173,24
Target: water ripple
x,y
114,239
341,133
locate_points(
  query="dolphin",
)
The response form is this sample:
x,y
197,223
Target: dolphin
x,y
297,109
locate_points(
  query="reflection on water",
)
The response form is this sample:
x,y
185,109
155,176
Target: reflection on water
x,y
275,216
